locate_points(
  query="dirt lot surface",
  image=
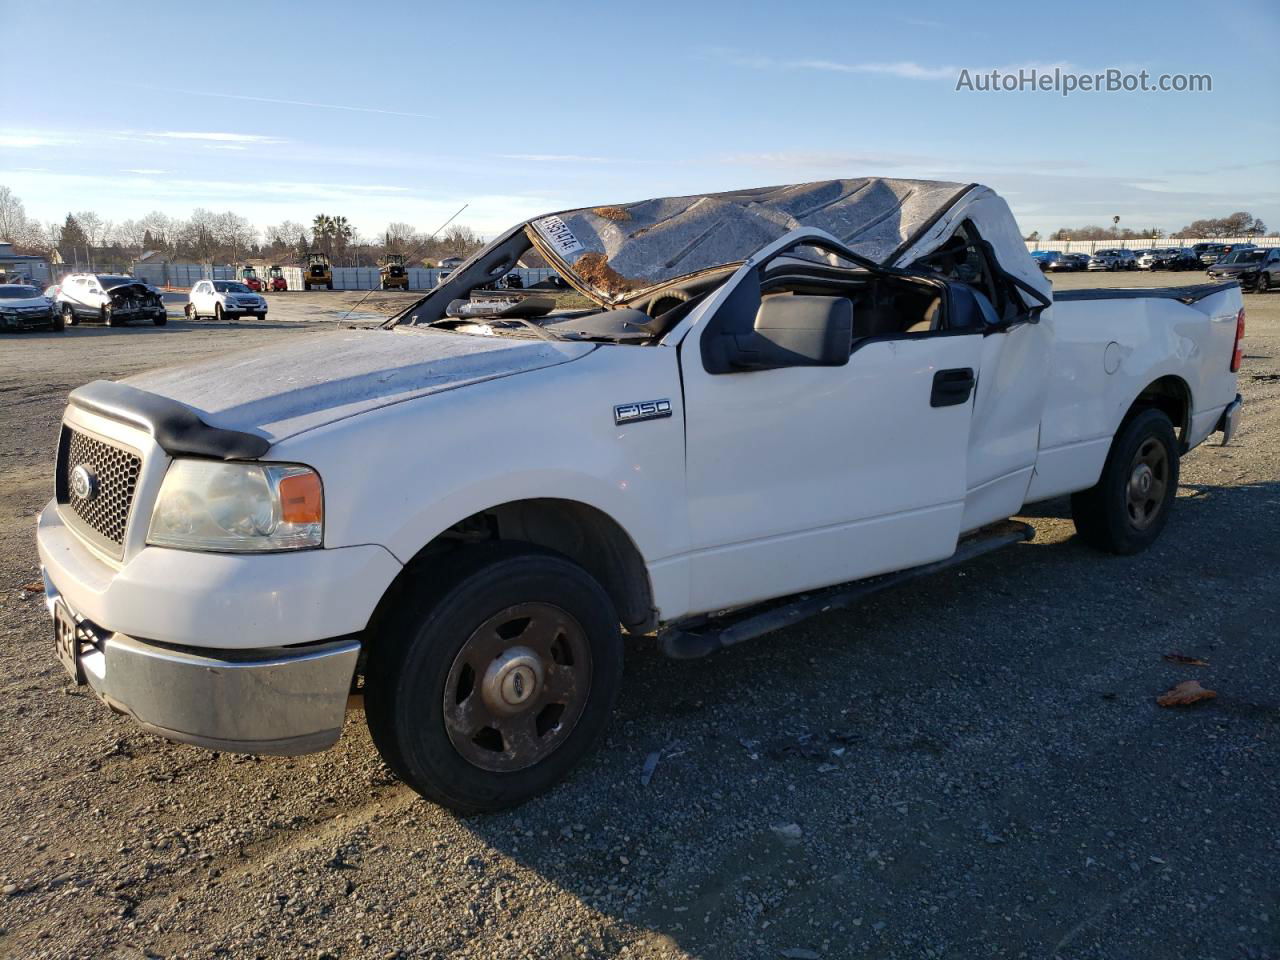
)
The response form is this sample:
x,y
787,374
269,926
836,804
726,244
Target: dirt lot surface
x,y
973,766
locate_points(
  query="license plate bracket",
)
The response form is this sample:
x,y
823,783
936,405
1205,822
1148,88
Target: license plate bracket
x,y
66,641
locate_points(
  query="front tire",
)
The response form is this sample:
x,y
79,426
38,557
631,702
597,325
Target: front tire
x,y
107,317
486,686
1263,284
1129,506
218,313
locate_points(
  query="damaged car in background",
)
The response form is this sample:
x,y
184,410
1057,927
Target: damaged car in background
x,y
109,299
777,401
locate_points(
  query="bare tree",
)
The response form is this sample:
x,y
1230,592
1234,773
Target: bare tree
x,y
92,225
13,216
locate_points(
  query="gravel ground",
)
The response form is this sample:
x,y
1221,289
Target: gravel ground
x,y
973,766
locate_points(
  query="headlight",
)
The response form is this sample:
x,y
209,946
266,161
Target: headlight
x,y
238,507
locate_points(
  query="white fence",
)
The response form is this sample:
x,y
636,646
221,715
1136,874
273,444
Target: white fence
x,y
184,275
1089,246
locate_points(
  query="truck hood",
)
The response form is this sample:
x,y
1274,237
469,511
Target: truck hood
x,y
305,382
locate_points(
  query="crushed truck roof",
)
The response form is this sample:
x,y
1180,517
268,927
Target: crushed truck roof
x,y
613,253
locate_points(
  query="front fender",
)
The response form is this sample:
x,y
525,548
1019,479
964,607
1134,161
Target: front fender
x,y
401,475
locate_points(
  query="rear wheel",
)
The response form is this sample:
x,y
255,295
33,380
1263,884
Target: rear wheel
x,y
160,321
329,285
59,323
1127,509
488,686
306,285
69,316
1264,283
190,311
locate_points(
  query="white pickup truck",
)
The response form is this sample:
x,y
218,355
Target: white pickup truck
x,y
774,401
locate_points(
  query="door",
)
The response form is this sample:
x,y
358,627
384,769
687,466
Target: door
x,y
202,298
807,476
1004,437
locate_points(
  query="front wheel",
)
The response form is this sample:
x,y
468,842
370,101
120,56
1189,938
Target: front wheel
x,y
490,684
218,313
1263,284
107,317
1128,507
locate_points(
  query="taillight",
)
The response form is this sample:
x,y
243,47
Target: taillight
x,y
1238,354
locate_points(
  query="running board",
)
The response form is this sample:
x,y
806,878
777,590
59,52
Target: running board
x,y
689,642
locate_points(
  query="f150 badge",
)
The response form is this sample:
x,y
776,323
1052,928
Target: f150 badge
x,y
644,410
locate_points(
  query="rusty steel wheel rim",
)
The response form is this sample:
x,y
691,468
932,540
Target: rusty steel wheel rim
x,y
517,687
1148,481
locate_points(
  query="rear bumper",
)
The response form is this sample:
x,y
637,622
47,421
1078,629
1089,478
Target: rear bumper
x,y
1229,422
279,700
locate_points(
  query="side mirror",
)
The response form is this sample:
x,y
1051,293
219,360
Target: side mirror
x,y
794,331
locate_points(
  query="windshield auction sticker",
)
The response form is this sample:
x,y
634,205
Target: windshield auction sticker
x,y
558,236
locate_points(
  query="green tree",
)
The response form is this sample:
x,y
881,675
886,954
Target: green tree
x,y
73,241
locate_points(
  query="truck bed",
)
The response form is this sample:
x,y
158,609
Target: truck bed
x,y
1189,293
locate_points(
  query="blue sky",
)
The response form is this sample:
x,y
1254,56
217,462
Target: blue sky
x,y
280,114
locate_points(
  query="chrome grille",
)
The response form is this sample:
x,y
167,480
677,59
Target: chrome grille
x,y
106,510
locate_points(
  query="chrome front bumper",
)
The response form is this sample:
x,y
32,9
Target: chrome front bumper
x,y
1230,420
282,700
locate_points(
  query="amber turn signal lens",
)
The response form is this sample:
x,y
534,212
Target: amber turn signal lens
x,y
301,498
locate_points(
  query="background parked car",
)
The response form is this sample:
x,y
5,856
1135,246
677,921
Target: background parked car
x,y
1070,262
1046,258
1216,251
23,307
1255,269
224,298
109,298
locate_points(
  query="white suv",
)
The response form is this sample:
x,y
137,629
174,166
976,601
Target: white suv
x,y
111,299
224,298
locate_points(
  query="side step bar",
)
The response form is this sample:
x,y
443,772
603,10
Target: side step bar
x,y
688,642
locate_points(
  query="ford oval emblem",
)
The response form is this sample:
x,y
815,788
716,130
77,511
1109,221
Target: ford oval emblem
x,y
84,482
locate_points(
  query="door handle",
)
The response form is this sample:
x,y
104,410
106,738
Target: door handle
x,y
951,387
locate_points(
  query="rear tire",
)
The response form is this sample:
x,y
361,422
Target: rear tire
x,y
190,311
69,316
485,686
160,321
1129,506
329,285
1263,284
59,323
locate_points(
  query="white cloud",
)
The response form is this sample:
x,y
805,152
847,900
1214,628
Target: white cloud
x,y
25,141
213,136
553,158
904,69
143,171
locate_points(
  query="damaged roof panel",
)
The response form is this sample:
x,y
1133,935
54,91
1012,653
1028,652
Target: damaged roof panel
x,y
613,253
